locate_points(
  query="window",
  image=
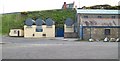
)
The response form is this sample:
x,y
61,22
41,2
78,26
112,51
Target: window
x,y
39,30
85,16
99,16
113,17
15,31
107,31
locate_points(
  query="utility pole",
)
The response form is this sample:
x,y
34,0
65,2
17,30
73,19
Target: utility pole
x,y
90,32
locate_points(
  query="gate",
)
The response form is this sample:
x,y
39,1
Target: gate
x,y
59,32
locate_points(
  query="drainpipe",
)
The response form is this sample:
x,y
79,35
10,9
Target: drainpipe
x,y
81,29
81,32
90,32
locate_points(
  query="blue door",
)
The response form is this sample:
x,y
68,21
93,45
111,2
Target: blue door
x,y
59,32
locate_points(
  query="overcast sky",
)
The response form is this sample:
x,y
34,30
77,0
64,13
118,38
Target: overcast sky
x,y
8,6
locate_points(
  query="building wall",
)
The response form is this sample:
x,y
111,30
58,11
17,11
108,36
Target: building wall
x,y
31,31
119,32
94,20
69,32
14,32
68,28
119,25
99,33
50,32
21,32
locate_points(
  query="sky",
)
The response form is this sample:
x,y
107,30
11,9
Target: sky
x,y
9,6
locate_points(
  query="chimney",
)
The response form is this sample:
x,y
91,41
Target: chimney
x,y
65,5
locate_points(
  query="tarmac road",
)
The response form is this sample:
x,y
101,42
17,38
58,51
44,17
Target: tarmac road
x,y
21,48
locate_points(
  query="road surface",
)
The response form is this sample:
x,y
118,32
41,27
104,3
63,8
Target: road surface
x,y
22,48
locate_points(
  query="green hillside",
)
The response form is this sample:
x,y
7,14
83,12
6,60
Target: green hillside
x,y
16,20
0,24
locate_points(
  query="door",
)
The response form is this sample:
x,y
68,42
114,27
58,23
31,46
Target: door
x,y
59,32
18,33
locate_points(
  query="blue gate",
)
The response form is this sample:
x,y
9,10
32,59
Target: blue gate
x,y
59,32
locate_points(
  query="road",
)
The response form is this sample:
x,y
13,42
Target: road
x,y
22,48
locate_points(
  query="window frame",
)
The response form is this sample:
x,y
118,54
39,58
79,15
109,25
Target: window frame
x,y
99,16
107,32
40,30
85,17
113,17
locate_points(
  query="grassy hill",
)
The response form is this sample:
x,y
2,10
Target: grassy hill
x,y
0,24
16,20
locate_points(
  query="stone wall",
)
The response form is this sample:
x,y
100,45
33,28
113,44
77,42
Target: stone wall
x,y
119,25
119,32
70,35
98,33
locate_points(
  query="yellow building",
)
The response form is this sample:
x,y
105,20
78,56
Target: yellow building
x,y
39,31
16,32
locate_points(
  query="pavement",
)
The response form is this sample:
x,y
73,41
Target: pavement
x,y
57,48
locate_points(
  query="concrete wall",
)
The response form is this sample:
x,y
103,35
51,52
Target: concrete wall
x,y
70,35
14,32
69,32
68,28
31,31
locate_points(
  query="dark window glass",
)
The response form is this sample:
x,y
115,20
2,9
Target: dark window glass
x,y
85,16
113,17
39,30
99,16
107,31
15,31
